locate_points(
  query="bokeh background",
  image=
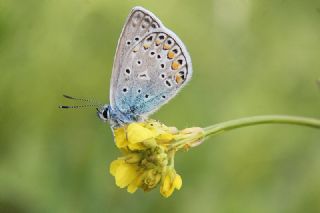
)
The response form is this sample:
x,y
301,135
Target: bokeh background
x,y
249,57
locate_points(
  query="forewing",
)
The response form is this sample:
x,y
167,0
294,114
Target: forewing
x,y
138,24
151,72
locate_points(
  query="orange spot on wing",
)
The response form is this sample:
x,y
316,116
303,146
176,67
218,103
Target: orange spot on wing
x,y
166,46
158,42
178,79
146,46
170,54
175,65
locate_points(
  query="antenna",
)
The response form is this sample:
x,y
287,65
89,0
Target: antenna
x,y
80,99
94,103
76,107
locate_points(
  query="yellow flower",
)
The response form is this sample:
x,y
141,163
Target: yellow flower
x,y
137,133
170,182
148,155
124,173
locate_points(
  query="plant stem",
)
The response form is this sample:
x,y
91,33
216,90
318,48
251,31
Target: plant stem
x,y
243,122
264,119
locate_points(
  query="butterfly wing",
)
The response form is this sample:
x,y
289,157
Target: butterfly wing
x,y
136,27
151,65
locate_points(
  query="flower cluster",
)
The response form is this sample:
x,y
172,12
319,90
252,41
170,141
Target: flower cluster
x,y
148,155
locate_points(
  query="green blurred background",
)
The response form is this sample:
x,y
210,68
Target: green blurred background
x,y
249,57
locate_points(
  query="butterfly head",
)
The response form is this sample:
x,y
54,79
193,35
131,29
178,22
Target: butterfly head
x,y
104,113
107,114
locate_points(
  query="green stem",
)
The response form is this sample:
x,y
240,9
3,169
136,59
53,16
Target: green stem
x,y
248,121
264,119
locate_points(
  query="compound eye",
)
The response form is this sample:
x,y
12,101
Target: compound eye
x,y
105,113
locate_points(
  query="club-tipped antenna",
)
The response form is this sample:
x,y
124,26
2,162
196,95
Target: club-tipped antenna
x,y
93,103
80,106
81,99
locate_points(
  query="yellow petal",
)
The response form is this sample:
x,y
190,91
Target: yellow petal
x,y
166,189
114,166
166,193
177,182
125,174
156,127
120,137
137,133
133,186
171,181
136,146
155,131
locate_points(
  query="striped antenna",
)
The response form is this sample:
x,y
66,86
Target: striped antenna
x,y
94,103
80,99
77,107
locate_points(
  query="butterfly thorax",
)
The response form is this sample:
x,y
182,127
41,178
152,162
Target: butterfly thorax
x,y
115,117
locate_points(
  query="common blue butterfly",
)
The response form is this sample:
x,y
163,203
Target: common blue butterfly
x,y
151,65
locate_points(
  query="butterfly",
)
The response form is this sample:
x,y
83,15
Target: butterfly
x,y
151,65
